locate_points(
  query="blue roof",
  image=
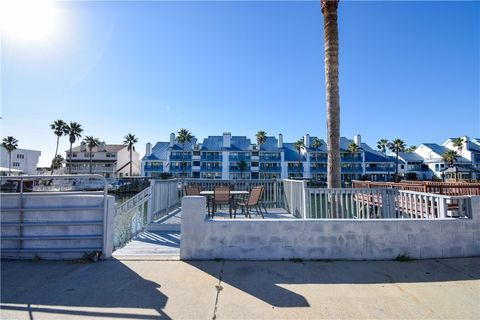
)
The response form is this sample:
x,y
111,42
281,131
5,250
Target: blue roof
x,y
291,154
472,146
159,151
323,145
188,145
410,156
376,156
271,144
440,150
215,143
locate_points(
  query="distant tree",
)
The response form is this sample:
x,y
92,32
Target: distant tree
x,y
411,149
300,145
10,144
353,149
411,176
183,137
261,138
397,146
450,157
74,131
317,143
59,128
129,140
57,161
458,143
382,146
242,165
91,143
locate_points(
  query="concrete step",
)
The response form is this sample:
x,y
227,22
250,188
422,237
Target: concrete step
x,y
172,227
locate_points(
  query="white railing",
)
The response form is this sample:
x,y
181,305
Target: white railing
x,y
165,197
294,196
272,195
379,203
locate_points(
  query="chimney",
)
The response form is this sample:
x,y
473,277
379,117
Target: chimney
x,y
172,139
148,150
358,140
306,141
227,139
280,140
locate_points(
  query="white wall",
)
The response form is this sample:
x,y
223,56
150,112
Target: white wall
x,y
274,239
28,164
123,157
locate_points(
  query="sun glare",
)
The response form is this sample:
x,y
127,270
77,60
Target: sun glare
x,y
28,20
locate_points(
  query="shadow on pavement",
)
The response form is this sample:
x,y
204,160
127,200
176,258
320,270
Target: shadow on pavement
x,y
264,279
55,284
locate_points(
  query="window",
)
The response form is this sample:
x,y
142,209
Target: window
x,y
16,164
74,155
110,155
20,156
196,163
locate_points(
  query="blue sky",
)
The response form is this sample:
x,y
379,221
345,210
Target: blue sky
x,y
407,69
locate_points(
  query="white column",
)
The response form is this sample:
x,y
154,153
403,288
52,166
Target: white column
x,y
225,165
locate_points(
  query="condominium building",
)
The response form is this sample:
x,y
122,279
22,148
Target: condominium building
x,y
23,161
108,160
236,157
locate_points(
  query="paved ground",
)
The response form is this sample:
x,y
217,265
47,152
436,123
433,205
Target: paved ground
x,y
161,241
428,289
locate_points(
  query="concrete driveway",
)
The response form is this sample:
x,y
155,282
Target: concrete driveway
x,y
426,289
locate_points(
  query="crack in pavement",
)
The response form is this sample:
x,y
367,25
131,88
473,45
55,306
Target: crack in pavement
x,y
219,288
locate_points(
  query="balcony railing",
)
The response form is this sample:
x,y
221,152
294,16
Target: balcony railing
x,y
176,157
236,169
379,169
270,158
318,169
351,159
211,158
153,168
239,158
181,169
211,169
270,169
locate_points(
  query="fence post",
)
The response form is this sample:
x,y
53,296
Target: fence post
x,y
306,207
151,202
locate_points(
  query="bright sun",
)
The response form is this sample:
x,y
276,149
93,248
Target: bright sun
x,y
28,20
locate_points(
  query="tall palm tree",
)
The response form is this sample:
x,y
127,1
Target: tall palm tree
x,y
458,143
242,165
74,131
329,10
91,143
57,161
184,136
353,149
382,146
316,143
10,144
300,145
59,129
261,138
397,146
129,140
450,156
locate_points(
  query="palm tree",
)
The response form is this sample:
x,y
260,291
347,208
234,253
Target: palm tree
x,y
57,161
329,10
397,146
91,143
10,144
129,141
316,143
242,165
74,131
353,149
458,143
382,145
450,156
59,129
261,138
411,149
184,136
300,145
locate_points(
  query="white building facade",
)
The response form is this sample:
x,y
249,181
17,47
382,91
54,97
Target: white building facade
x,y
23,161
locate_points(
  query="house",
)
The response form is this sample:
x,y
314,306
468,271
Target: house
x,y
23,161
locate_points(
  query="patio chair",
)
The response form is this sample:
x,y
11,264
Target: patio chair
x,y
253,201
192,190
221,195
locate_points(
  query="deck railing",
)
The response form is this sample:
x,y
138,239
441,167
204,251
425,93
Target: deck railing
x,y
445,188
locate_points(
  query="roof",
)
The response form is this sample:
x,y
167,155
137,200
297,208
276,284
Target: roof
x,y
108,148
323,145
180,146
291,154
440,150
461,168
159,151
376,156
271,144
410,157
215,143
472,146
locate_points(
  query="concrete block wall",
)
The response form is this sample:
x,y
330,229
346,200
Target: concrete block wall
x,y
274,239
56,225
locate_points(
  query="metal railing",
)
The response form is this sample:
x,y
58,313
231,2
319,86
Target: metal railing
x,y
294,192
38,217
165,197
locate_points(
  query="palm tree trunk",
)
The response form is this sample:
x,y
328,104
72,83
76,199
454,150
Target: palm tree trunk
x,y
56,152
91,161
70,160
9,163
329,10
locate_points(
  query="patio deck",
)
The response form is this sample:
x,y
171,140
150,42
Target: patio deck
x,y
161,239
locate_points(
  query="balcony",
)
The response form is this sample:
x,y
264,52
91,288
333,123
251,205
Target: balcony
x,y
211,169
351,170
218,158
295,169
178,157
318,159
181,169
379,169
270,169
153,168
270,158
318,169
236,169
240,158
351,159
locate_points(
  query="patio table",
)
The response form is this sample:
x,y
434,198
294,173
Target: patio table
x,y
233,193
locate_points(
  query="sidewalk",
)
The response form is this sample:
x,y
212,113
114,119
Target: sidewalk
x,y
427,289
